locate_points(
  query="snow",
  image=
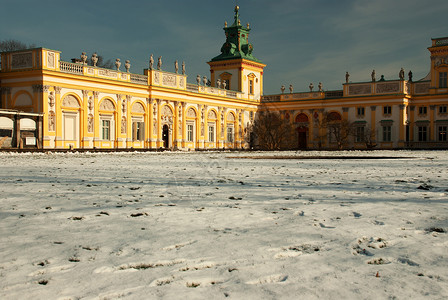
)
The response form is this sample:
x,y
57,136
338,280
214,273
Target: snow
x,y
224,225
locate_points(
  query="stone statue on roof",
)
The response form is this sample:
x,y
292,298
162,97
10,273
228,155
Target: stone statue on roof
x,y
410,76
373,76
401,74
347,77
183,68
159,63
151,62
176,66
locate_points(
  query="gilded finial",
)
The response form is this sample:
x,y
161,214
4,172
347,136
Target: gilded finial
x,y
225,24
248,25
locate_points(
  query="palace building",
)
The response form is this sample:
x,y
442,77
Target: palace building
x,y
53,104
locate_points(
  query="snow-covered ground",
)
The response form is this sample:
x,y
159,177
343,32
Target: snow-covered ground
x,y
216,225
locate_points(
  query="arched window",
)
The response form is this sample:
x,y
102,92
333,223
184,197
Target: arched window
x,y
302,118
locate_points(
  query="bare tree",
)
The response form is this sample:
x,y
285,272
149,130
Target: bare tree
x,y
271,131
337,130
107,64
369,138
13,45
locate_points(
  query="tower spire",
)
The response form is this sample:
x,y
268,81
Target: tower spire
x,y
237,16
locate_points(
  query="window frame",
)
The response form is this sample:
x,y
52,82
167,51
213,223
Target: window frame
x,y
423,110
422,133
443,81
442,109
442,132
211,132
190,132
360,134
361,111
230,133
387,133
106,130
138,130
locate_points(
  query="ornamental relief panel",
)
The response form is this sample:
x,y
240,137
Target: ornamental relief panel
x,y
387,87
167,114
90,123
230,117
106,104
22,60
51,121
138,108
191,113
70,101
363,89
123,125
211,115
422,88
50,59
441,61
169,80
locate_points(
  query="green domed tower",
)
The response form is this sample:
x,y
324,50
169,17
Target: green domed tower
x,y
236,64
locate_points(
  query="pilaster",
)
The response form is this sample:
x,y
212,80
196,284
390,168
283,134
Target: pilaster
x,y
58,142
411,124
96,115
432,112
373,121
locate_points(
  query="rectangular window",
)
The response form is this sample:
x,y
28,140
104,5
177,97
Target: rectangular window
x,y
190,132
387,110
387,133
442,109
138,133
106,130
360,134
251,87
443,80
361,111
441,133
211,133
422,133
422,110
230,134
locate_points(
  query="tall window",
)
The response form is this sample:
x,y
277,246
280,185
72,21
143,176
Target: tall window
x,y
360,134
441,133
443,80
230,134
442,109
387,133
211,133
422,110
138,133
361,111
387,110
251,86
422,133
190,132
106,130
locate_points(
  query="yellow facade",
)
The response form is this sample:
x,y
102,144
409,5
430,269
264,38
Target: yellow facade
x,y
87,107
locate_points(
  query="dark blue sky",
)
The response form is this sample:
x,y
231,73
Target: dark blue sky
x,y
301,41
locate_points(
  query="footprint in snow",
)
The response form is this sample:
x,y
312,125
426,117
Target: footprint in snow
x,y
277,278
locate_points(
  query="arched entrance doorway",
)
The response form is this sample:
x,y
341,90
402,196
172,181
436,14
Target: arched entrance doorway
x,y
166,136
302,137
302,131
